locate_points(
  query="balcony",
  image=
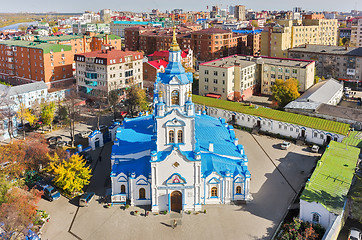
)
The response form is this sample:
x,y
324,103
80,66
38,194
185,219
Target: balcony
x,y
90,68
91,83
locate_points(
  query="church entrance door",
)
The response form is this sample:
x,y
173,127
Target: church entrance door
x,y
176,201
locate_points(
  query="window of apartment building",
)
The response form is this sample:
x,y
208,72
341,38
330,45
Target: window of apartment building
x,y
287,70
280,76
223,90
272,75
215,81
223,82
295,71
280,70
206,79
215,89
272,69
206,87
215,73
223,74
206,71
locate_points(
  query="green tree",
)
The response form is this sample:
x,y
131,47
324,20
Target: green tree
x,y
47,113
285,91
137,100
69,175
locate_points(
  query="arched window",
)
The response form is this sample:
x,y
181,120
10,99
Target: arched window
x,y
175,97
315,218
123,188
142,193
214,192
238,190
179,136
171,136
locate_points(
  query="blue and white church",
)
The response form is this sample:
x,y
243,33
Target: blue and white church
x,y
176,159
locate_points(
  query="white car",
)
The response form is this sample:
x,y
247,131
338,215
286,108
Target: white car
x,y
315,148
285,145
85,134
354,234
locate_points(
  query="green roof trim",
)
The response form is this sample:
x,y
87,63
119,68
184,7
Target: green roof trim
x,y
354,138
332,178
110,36
46,47
302,120
61,38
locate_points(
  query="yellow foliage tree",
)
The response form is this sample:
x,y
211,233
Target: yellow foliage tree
x,y
285,91
69,175
30,117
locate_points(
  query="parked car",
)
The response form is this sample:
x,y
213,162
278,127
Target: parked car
x,y
54,140
285,145
49,192
354,234
85,134
85,199
315,148
86,156
61,144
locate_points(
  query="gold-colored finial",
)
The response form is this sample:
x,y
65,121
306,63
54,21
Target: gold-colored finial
x,y
160,94
174,45
190,93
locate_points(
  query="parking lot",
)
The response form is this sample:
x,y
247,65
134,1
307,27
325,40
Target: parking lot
x,y
276,177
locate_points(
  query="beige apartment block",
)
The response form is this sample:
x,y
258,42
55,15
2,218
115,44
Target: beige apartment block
x,y
99,72
292,33
356,33
230,78
237,77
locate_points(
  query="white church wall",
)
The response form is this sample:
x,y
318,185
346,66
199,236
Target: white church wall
x,y
316,136
138,183
307,209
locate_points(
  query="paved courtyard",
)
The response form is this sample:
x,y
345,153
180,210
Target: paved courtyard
x,y
276,177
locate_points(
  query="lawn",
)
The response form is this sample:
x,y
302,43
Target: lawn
x,y
302,120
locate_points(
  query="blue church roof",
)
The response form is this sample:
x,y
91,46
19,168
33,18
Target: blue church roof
x,y
175,69
137,136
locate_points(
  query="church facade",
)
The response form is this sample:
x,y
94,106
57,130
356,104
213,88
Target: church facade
x,y
176,159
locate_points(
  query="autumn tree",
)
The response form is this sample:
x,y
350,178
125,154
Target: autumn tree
x,y
7,113
47,113
21,114
285,91
18,212
71,113
136,99
69,175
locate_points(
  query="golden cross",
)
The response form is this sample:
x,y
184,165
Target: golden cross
x,y
160,94
189,92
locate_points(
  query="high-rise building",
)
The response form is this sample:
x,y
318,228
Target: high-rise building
x,y
239,12
286,34
356,32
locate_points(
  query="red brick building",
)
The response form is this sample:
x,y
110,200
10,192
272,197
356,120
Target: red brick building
x,y
150,70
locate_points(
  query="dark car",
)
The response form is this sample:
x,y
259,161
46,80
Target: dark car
x,y
86,156
54,140
61,144
85,199
49,192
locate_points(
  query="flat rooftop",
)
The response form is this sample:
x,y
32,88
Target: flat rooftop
x,y
46,47
241,59
326,49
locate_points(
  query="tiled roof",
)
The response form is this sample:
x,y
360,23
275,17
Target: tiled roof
x,y
212,31
332,178
326,49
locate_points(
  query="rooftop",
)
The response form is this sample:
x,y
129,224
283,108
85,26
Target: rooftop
x,y
354,139
134,22
46,47
110,36
113,54
60,38
158,63
332,178
322,92
229,62
306,121
212,31
286,62
326,49
340,112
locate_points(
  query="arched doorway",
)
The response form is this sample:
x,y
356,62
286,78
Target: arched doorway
x,y
176,201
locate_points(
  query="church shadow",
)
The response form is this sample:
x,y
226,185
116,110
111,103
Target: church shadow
x,y
272,200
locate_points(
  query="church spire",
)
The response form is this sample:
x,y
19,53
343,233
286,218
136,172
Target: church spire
x,y
174,45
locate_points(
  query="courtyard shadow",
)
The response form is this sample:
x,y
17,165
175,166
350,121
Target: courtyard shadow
x,y
277,146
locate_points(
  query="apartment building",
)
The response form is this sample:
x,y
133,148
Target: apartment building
x,y
150,70
342,63
231,78
239,12
286,34
99,72
237,77
25,62
356,32
83,28
118,27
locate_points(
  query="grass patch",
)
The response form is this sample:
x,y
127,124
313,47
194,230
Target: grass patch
x,y
306,121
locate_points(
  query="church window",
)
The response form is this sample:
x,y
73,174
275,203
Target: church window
x,y
142,193
238,190
315,218
123,188
179,136
171,136
175,97
214,192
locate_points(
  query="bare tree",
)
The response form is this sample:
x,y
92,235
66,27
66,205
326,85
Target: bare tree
x,y
72,113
